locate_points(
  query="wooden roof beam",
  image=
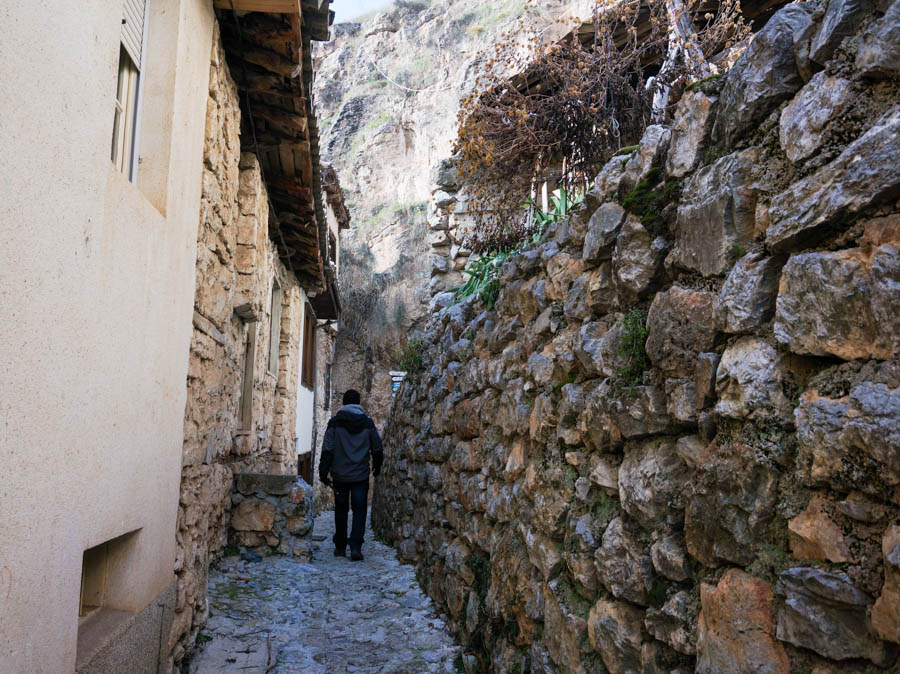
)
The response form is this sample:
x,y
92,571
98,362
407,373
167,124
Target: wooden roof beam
x,y
267,6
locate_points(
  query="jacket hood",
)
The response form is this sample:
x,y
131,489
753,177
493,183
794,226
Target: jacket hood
x,y
351,417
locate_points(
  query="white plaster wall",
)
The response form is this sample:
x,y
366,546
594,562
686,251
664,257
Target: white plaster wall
x,y
96,291
305,398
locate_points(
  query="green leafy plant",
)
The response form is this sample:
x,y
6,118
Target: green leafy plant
x,y
634,340
411,357
483,278
560,205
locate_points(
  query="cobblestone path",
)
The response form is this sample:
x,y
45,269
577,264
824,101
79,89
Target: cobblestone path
x,y
328,616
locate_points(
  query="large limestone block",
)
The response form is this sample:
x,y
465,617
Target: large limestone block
x,y
597,349
852,442
865,174
765,75
253,515
679,326
620,564
815,536
842,19
669,558
641,413
842,303
729,505
804,122
543,552
564,629
651,152
636,260
879,52
886,612
602,230
674,623
747,298
826,613
718,214
606,184
690,132
652,480
614,628
736,633
749,381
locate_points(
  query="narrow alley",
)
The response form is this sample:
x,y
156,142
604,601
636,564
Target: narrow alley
x,y
331,615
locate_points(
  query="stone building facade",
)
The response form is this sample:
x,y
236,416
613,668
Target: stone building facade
x,y
239,417
673,445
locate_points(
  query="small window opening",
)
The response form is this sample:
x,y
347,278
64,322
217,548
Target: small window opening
x,y
308,366
275,329
246,404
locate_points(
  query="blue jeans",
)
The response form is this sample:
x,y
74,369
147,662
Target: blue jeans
x,y
347,494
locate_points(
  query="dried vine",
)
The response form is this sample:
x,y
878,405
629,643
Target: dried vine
x,y
574,104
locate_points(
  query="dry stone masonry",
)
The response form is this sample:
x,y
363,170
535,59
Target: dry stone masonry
x,y
674,443
237,265
272,514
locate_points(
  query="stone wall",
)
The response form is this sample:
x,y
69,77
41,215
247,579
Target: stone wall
x,y
236,266
674,444
326,407
448,220
272,514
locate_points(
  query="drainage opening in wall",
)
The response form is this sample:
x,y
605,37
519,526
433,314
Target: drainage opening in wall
x,y
105,594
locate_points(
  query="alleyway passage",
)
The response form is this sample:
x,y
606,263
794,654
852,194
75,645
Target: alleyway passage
x,y
332,615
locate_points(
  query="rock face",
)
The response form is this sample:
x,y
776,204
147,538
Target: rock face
x,y
765,75
840,303
841,189
673,445
736,632
719,214
826,613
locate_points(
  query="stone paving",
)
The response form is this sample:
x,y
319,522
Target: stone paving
x,y
331,615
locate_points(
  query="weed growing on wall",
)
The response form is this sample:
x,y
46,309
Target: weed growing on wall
x,y
411,358
634,340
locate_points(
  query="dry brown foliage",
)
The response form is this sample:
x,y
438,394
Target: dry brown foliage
x,y
575,103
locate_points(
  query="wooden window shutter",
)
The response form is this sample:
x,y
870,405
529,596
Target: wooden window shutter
x,y
133,28
308,366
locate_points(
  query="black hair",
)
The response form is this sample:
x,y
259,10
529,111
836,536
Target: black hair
x,y
351,397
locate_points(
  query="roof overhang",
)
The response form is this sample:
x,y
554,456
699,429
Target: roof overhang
x,y
267,44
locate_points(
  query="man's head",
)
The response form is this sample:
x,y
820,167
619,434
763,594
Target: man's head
x,y
351,397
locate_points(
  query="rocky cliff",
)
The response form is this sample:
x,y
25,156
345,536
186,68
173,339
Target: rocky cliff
x,y
674,443
387,91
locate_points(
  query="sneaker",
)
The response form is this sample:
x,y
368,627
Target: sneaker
x,y
340,552
356,554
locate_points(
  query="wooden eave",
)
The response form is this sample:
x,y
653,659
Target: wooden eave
x,y
334,195
267,45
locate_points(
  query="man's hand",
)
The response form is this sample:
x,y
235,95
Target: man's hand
x,y
324,480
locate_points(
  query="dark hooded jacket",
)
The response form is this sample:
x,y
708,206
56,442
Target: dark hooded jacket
x,y
351,437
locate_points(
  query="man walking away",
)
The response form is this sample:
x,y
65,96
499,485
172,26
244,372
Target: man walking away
x,y
351,437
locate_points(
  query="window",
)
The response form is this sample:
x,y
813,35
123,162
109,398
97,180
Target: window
x,y
124,137
332,248
326,404
104,605
246,405
274,328
308,365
